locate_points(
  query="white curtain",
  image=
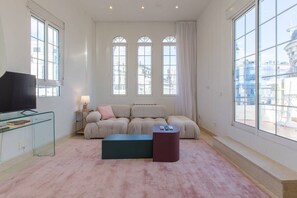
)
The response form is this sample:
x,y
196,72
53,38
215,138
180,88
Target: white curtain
x,y
186,47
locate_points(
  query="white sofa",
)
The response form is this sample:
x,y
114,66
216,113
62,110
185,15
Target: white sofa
x,y
137,119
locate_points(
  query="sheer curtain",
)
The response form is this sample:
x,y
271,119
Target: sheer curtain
x,y
186,47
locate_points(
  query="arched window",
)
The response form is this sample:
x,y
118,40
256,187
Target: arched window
x,y
119,66
169,66
144,66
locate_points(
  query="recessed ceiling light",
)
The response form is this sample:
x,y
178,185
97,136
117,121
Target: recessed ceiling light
x,y
176,6
110,7
142,7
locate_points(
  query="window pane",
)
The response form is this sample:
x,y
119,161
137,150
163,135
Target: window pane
x,y
287,122
123,50
141,50
166,50
34,47
267,118
40,69
267,35
239,110
240,48
50,53
116,50
147,50
56,37
266,10
148,60
34,66
50,71
285,4
267,63
284,52
286,91
250,20
250,43
173,51
239,27
267,90
286,25
34,27
41,31
166,60
41,50
122,60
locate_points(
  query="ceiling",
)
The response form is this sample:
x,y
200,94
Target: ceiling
x,y
154,10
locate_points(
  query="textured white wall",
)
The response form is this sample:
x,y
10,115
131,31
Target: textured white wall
x,y
215,87
78,60
102,86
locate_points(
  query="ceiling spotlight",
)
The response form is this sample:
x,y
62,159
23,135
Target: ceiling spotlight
x,y
110,7
176,6
142,7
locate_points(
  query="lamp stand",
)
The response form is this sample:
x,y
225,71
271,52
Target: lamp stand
x,y
85,107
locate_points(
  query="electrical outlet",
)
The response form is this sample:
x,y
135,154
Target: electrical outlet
x,y
21,146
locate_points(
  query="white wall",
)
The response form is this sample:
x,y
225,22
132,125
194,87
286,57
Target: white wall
x,y
105,32
215,87
78,57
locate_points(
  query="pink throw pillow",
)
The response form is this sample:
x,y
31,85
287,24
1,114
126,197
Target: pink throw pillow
x,y
106,112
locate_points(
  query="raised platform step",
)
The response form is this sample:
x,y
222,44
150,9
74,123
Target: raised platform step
x,y
276,178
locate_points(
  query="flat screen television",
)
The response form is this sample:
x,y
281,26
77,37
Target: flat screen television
x,y
17,92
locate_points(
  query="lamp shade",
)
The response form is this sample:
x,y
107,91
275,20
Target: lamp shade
x,y
85,99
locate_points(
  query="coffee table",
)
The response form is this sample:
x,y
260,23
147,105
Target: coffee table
x,y
165,144
127,146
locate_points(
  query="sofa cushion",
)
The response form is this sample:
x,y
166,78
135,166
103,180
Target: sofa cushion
x,y
106,112
188,128
148,111
103,128
121,111
144,125
93,116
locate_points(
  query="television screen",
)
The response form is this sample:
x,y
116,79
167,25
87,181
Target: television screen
x,y
17,92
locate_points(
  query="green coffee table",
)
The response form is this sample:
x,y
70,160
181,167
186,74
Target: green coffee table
x,y
127,146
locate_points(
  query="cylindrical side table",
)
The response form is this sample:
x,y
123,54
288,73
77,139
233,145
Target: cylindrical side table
x,y
165,144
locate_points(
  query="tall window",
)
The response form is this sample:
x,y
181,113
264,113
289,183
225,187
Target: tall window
x,y
119,65
144,66
169,66
46,56
276,68
244,71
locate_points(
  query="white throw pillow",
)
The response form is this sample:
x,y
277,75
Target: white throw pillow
x,y
94,116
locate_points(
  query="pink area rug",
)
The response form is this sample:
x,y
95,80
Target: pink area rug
x,y
77,170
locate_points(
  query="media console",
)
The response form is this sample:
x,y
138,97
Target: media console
x,y
42,126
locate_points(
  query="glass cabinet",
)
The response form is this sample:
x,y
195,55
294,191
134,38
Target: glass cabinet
x,y
41,124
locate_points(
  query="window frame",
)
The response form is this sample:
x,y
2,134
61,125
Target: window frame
x,y
126,63
243,126
49,20
171,43
144,44
274,137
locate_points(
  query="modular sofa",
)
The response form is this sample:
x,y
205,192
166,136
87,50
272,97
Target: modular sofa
x,y
137,119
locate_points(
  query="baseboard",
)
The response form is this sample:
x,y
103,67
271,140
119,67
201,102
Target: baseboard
x,y
207,131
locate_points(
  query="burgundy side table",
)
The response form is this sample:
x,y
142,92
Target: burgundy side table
x,y
165,144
